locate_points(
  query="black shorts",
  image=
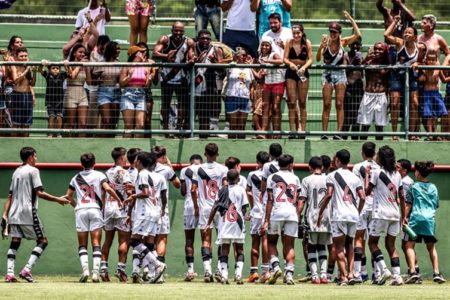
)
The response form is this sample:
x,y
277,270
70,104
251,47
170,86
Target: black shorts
x,y
427,239
293,75
55,109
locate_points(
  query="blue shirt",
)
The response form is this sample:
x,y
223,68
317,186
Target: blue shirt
x,y
267,7
424,198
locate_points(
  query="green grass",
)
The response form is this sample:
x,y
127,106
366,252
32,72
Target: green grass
x,y
68,288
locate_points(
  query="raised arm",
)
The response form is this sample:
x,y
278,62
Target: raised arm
x,y
356,33
322,46
398,42
409,14
381,8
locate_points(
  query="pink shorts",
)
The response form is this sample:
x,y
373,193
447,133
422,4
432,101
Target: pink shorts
x,y
275,88
138,7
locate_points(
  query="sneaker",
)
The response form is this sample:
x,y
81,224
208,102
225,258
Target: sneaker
x,y
10,278
224,280
374,279
364,277
342,283
384,276
159,271
397,280
238,279
264,277
420,280
324,137
289,279
208,277
189,276
135,278
26,275
121,275
437,277
84,277
145,276
355,280
412,278
218,276
253,277
104,275
323,279
274,276
95,277
305,278
160,280
315,279
337,137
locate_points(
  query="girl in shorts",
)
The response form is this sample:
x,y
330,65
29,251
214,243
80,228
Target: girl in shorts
x,y
139,12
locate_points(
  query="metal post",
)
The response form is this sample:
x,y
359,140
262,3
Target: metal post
x,y
406,97
353,8
192,102
221,25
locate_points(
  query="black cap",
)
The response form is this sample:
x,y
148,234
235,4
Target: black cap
x,y
335,27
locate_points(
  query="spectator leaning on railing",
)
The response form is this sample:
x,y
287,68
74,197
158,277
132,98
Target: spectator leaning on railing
x,y
207,11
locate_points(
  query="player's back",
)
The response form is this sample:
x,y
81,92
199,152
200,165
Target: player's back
x,y
387,187
209,177
254,181
270,168
117,178
87,185
314,189
186,176
285,187
149,207
231,224
359,170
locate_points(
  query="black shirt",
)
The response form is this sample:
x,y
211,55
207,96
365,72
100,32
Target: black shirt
x,y
54,92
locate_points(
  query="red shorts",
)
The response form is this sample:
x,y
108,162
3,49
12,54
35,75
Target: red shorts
x,y
275,88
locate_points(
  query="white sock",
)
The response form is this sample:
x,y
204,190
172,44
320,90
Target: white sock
x,y
224,269
136,261
11,261
190,267
289,268
265,267
121,266
96,259
312,260
275,262
84,258
239,267
35,254
207,266
323,261
104,266
357,268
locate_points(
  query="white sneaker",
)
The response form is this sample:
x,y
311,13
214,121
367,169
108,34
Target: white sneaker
x,y
397,280
289,279
384,276
159,271
95,277
238,279
84,277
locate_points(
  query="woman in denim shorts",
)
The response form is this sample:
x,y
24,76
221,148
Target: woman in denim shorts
x,y
134,81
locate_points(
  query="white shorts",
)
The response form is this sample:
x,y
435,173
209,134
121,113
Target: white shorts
x,y
340,228
164,225
364,220
145,227
190,222
373,107
88,219
320,238
289,228
380,227
255,226
203,221
122,225
229,241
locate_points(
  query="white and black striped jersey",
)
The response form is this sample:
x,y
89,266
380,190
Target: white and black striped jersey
x,y
386,190
209,178
360,170
118,177
285,187
149,208
169,175
24,184
344,202
133,174
270,168
88,189
254,180
232,198
407,182
314,189
186,176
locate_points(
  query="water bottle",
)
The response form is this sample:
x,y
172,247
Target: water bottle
x,y
412,235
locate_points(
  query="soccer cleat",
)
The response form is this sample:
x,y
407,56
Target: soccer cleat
x,y
420,280
289,279
355,280
315,279
386,275
218,276
397,280
189,276
160,280
412,278
342,283
224,280
159,271
253,277
238,279
10,278
145,276
26,275
84,277
274,276
264,277
305,278
438,278
121,275
364,277
104,275
95,277
135,278
323,278
208,277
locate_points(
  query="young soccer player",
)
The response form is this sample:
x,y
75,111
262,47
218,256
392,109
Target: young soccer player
x,y
114,216
148,207
387,188
275,150
190,212
234,163
422,201
258,204
282,217
88,186
231,204
21,212
207,181
342,188
368,151
313,191
132,153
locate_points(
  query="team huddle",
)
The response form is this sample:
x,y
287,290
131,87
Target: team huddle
x,y
334,210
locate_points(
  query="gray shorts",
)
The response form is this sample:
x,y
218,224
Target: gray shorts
x,y
320,238
29,232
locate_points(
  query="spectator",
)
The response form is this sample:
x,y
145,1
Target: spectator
x,y
100,14
240,28
298,56
207,100
86,35
14,42
354,90
432,40
75,100
138,12
22,99
134,81
175,48
278,33
332,50
445,121
207,11
267,8
399,8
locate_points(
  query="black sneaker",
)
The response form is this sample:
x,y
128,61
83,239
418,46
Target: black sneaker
x,y
438,278
324,137
412,278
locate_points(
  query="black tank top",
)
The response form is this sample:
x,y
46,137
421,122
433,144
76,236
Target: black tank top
x,y
330,58
303,53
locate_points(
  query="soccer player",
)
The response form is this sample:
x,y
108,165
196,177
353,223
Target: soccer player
x,y
342,188
314,188
163,167
234,163
21,212
258,205
190,212
368,151
282,217
132,153
148,207
88,186
422,203
275,151
114,216
207,181
231,204
387,186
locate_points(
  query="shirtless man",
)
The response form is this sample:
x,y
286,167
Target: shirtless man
x,y
433,41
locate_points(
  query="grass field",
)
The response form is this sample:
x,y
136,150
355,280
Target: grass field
x,y
69,288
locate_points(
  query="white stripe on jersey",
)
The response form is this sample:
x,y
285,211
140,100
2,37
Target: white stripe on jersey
x,y
385,206
314,189
228,225
359,170
186,175
254,180
344,202
88,188
270,168
285,187
169,175
149,208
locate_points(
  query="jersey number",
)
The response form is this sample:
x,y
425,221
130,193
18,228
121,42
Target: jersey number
x,y
88,193
210,189
282,186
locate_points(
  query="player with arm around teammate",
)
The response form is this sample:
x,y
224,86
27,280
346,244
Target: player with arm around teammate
x,y
88,186
21,212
